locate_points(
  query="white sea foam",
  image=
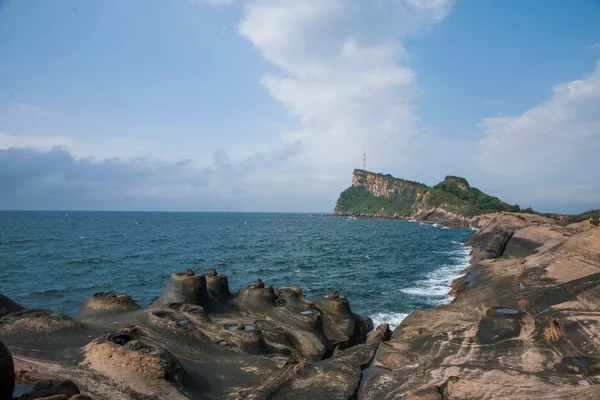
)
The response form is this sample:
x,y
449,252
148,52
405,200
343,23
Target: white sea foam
x,y
392,318
437,283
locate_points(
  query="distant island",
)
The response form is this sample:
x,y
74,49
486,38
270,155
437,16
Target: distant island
x,y
452,202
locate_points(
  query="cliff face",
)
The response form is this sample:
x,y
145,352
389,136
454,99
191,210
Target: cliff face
x,y
380,195
388,186
452,202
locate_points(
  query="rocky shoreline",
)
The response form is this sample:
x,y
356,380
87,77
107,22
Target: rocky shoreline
x,y
524,323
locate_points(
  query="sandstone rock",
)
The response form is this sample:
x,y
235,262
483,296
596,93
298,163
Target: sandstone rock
x,y
183,288
131,357
105,303
37,322
196,320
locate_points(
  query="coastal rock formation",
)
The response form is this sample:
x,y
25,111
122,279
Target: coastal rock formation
x,y
524,323
452,202
197,340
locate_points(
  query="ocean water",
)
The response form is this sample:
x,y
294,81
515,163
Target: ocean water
x,y
387,268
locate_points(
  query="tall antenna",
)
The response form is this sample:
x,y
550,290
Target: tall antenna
x,y
365,160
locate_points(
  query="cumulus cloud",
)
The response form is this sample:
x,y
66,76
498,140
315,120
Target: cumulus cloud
x,y
551,150
343,71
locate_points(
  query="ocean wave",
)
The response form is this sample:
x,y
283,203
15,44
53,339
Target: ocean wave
x,y
391,318
92,261
436,285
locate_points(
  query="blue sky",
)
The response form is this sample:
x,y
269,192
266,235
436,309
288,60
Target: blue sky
x,y
267,105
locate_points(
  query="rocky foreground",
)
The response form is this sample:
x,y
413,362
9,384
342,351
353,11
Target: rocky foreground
x,y
525,323
196,341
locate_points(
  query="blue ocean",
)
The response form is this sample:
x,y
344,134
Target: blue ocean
x,y
387,268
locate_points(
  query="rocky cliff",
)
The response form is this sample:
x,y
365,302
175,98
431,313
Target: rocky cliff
x,y
452,202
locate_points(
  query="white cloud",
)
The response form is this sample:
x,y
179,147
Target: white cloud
x,y
343,71
551,148
34,142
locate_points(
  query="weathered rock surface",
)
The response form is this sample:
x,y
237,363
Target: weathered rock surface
x,y
198,340
525,322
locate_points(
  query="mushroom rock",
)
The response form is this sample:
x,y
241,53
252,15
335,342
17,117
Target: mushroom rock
x,y
7,373
218,286
258,298
341,325
292,297
104,303
183,288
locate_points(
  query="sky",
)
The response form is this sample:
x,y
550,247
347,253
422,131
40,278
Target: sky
x,y
268,105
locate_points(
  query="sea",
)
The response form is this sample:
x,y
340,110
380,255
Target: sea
x,y
386,268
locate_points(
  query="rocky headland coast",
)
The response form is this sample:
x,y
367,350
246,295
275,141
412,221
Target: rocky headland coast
x,y
524,323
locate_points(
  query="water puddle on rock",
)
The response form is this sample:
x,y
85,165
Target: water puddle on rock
x,y
366,373
21,389
578,362
507,311
307,312
247,328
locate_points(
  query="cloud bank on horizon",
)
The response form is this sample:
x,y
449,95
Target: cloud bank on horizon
x,y
267,105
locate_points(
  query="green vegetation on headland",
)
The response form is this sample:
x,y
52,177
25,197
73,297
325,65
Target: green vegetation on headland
x,y
595,214
380,195
403,198
358,200
455,195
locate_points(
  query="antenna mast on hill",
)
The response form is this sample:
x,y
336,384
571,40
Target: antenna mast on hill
x,y
365,160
